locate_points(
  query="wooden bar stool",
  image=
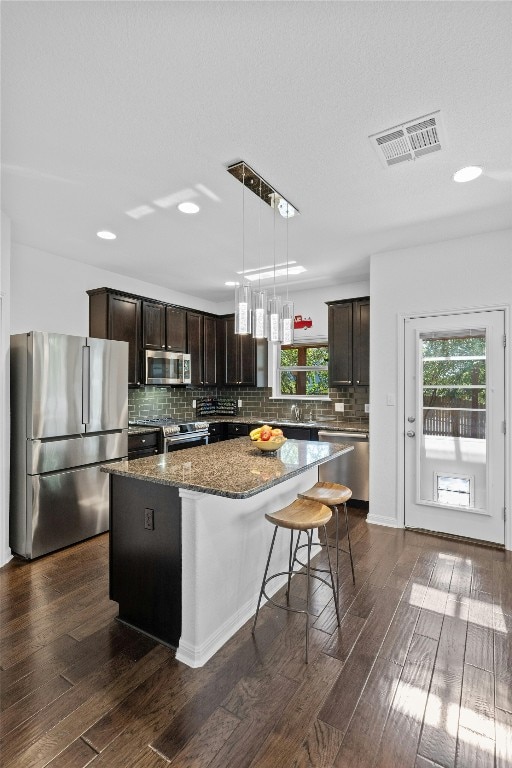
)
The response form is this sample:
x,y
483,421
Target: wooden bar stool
x,y
332,495
301,515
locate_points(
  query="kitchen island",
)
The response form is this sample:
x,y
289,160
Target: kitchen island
x,y
189,539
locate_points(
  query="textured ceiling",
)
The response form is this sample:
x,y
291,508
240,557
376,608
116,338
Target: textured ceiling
x,y
107,106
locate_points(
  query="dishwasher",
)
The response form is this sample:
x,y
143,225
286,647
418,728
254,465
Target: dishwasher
x,y
351,469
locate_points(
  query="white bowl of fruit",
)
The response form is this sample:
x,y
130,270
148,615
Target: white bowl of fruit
x,y
267,439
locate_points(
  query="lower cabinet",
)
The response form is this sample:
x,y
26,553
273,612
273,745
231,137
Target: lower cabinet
x,y
237,430
299,433
143,445
218,432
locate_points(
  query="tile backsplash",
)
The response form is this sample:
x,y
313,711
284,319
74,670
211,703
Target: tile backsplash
x,y
176,402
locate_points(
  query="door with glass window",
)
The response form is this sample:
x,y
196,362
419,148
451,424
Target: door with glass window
x,y
454,429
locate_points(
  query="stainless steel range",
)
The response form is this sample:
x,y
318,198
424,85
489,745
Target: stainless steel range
x,y
176,435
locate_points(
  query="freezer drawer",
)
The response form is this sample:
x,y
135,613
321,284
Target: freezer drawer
x,y
64,508
351,469
54,455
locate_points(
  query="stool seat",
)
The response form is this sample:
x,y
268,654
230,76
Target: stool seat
x,y
301,515
331,494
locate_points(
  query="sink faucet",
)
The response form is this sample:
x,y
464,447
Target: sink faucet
x,y
296,412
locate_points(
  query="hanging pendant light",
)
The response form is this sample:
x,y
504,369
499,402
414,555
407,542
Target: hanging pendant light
x,y
259,296
275,328
243,298
287,310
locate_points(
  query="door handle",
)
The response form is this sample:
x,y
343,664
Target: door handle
x,y
410,433
411,419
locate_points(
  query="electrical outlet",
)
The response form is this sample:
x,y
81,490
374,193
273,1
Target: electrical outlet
x,y
339,407
239,403
149,519
367,407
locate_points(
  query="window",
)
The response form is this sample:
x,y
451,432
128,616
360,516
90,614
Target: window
x,y
303,371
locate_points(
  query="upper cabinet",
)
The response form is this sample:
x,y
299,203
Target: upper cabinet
x,y
175,328
153,325
202,348
164,326
237,354
349,342
361,342
117,316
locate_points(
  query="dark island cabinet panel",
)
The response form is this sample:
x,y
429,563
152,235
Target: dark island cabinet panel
x,y
116,316
145,556
349,342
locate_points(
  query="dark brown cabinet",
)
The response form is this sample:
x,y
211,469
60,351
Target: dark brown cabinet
x,y
361,342
164,326
237,354
349,342
202,348
153,325
176,328
117,316
143,445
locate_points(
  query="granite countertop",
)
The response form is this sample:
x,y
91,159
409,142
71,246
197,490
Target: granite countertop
x,y
233,468
334,425
142,430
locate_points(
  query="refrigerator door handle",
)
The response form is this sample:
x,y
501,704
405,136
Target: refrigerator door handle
x,y
86,384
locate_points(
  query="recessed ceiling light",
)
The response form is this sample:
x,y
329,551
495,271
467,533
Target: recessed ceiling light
x,y
188,208
467,174
267,266
278,273
106,235
231,282
140,211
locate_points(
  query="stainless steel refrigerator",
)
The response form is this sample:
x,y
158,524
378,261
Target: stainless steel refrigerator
x,y
69,415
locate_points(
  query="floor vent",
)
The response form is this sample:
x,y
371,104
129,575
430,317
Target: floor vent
x,y
409,141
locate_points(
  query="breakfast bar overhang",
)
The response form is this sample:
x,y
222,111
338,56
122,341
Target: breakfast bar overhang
x,y
189,539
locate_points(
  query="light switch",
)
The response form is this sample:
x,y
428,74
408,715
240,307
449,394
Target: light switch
x,y
193,403
391,399
339,407
367,407
239,403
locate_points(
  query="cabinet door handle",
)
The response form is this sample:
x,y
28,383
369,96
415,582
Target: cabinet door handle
x,y
143,440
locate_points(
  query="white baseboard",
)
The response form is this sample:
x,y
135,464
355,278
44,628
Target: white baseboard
x,y
197,656
5,557
389,522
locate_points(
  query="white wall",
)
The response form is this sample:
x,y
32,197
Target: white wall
x,y
5,297
49,292
457,274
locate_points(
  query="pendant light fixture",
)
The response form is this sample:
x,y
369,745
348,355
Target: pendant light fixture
x,y
274,305
243,298
287,311
259,296
266,318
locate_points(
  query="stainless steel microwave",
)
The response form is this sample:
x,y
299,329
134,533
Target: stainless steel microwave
x,y
163,367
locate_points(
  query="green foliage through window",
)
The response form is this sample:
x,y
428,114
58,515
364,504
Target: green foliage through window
x,y
304,370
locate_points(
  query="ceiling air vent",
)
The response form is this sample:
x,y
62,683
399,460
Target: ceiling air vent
x,y
410,140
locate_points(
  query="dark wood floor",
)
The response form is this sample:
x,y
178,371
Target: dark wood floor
x,y
419,675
